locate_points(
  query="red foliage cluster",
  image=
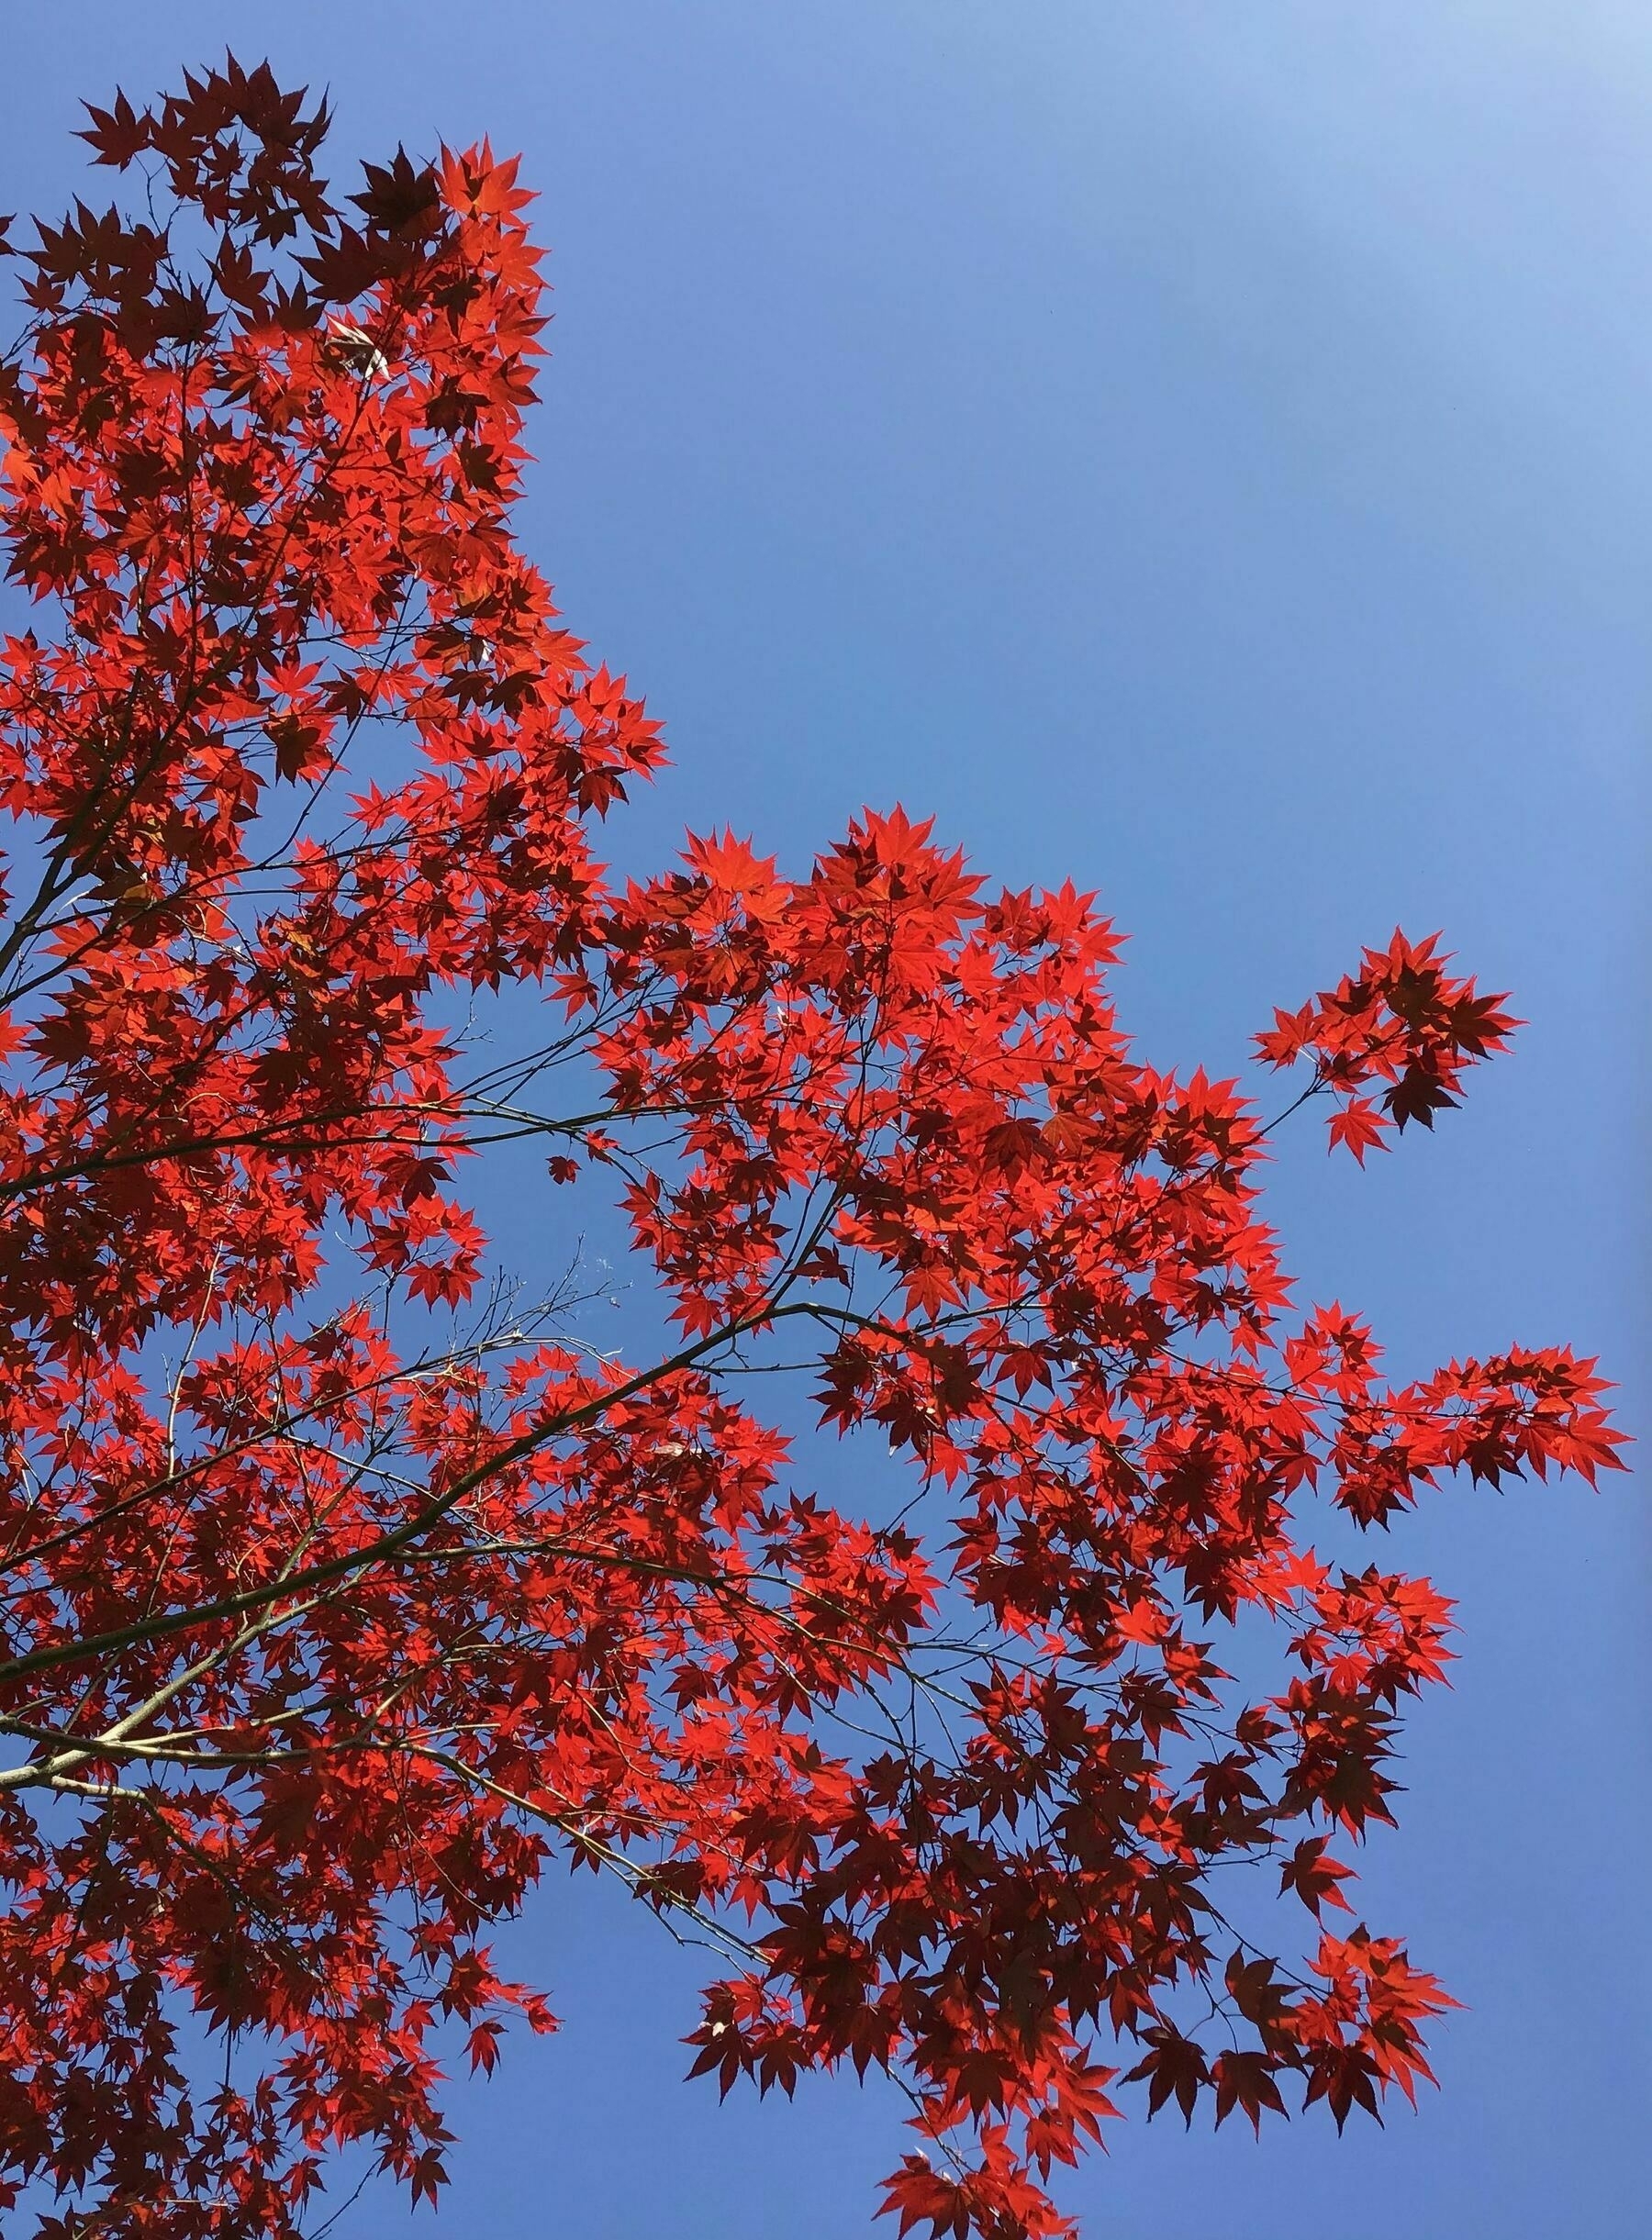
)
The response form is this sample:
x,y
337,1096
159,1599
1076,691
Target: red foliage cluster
x,y
1403,1021
320,1636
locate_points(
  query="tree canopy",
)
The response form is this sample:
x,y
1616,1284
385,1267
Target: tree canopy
x,y
346,1589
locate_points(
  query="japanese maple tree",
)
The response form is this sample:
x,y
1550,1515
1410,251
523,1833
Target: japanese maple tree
x,y
344,1594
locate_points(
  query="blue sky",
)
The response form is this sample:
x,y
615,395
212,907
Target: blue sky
x,y
1206,451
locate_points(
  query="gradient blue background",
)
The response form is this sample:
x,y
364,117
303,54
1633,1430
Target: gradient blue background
x,y
1208,450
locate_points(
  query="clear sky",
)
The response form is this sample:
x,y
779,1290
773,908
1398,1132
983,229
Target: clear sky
x,y
1205,449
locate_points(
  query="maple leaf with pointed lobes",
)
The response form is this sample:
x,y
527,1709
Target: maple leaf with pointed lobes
x,y
118,134
1314,1876
1173,2065
401,197
1359,1127
1245,2081
330,1618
